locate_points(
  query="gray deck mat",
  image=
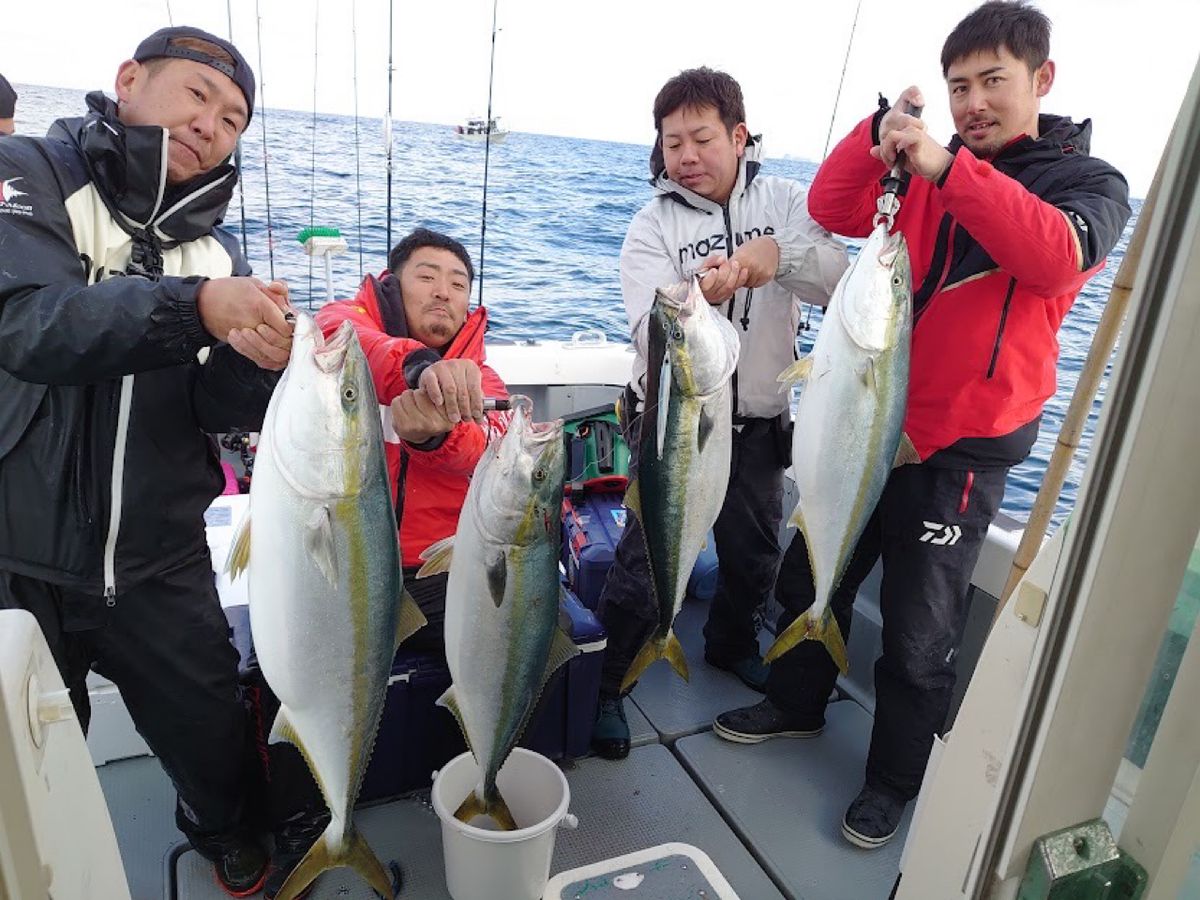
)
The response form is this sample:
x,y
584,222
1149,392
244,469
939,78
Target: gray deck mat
x,y
787,797
646,800
641,732
676,707
142,804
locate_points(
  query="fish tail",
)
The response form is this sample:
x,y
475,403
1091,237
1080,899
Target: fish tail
x,y
354,852
804,628
656,647
494,807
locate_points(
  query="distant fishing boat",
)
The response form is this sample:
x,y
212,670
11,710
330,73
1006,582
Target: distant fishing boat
x,y
477,129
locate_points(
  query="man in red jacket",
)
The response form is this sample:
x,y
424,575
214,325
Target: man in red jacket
x,y
425,350
1003,227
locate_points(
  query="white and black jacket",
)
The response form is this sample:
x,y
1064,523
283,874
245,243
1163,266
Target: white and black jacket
x,y
671,237
109,384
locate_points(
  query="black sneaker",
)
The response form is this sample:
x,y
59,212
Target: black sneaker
x,y
750,670
872,818
610,733
763,721
292,841
239,861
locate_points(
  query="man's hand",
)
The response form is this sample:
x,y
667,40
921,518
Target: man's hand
x,y
898,131
456,387
248,315
417,418
752,265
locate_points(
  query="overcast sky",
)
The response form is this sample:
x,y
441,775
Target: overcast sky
x,y
592,69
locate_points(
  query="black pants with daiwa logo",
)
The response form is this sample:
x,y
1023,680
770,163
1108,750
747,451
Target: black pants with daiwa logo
x,y
747,544
165,644
928,528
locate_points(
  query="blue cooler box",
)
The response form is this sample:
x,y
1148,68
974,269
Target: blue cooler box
x,y
592,524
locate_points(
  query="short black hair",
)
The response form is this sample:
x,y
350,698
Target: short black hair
x,y
423,237
696,88
1012,24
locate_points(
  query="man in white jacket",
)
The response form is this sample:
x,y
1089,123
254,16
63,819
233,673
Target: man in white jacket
x,y
759,254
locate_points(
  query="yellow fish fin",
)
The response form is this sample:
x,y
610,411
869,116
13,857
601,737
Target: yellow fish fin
x,y
633,499
562,650
357,854
654,649
450,701
410,619
795,373
239,553
906,453
318,543
437,557
496,808
804,628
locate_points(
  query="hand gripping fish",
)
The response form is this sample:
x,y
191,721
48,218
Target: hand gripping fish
x,y
684,451
327,606
503,639
848,428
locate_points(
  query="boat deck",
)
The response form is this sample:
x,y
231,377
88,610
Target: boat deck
x,y
768,815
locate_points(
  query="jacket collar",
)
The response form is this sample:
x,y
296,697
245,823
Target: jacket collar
x,y
1057,135
128,165
748,169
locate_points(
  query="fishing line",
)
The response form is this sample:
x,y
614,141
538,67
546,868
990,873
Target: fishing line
x,y
312,177
388,131
237,154
357,165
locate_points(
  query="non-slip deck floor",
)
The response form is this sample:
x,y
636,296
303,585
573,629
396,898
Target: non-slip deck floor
x,y
768,815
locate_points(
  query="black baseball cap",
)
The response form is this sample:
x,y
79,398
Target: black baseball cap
x,y
160,45
8,99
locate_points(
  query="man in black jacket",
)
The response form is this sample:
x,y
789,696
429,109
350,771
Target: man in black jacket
x,y
129,332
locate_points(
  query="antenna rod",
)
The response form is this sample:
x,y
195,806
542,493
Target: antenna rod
x,y
487,151
388,131
262,104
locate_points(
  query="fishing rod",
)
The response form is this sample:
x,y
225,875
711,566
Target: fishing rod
x,y
237,153
838,97
487,152
312,189
262,104
357,157
387,131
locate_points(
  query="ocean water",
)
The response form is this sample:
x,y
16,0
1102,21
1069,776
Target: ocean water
x,y
557,211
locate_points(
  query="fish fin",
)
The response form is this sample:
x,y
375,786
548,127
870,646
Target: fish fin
x,y
496,809
318,542
239,552
282,731
633,499
410,619
906,453
562,650
704,428
436,557
825,630
866,374
676,657
795,373
496,570
357,854
654,649
449,701
797,519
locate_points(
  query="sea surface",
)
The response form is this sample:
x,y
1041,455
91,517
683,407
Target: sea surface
x,y
557,212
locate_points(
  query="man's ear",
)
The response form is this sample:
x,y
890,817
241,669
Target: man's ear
x,y
740,135
128,76
1043,78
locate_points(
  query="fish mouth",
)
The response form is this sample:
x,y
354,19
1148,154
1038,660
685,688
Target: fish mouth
x,y
330,355
891,249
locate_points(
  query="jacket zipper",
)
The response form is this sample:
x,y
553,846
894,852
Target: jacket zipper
x,y
939,270
733,299
1012,284
116,493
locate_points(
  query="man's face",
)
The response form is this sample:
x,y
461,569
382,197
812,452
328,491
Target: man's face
x,y
700,153
6,126
203,110
435,288
994,98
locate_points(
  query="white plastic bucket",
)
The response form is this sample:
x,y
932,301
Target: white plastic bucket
x,y
484,863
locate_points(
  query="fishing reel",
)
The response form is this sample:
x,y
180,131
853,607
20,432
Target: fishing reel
x,y
239,442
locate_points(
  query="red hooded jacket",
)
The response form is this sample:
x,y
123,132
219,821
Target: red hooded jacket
x,y
999,251
434,480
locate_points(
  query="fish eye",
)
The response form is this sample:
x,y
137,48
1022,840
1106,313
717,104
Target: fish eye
x,y
677,334
539,474
897,280
349,394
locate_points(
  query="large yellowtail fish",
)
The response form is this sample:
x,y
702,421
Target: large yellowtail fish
x,y
848,429
502,612
325,585
683,452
